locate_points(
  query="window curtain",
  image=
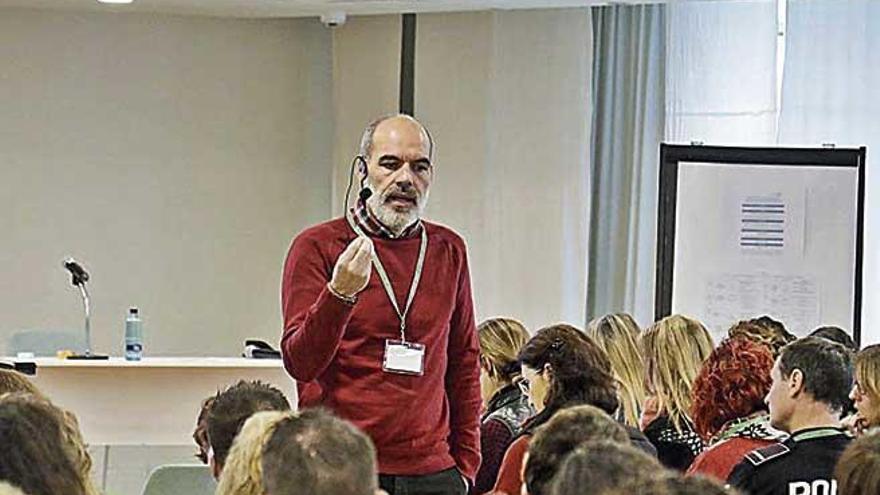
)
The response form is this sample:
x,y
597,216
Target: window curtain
x,y
830,95
628,120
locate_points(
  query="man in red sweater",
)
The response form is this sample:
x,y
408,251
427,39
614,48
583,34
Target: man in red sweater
x,y
379,321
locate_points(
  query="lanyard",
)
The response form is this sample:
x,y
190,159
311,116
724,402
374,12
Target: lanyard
x,y
386,282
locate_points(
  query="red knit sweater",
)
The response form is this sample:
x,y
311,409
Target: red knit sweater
x,y
419,424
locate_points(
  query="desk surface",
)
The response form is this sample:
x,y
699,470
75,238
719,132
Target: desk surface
x,y
154,401
155,362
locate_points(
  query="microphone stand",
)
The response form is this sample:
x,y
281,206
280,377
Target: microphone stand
x,y
84,293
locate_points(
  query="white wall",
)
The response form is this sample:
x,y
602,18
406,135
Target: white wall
x,y
174,156
507,97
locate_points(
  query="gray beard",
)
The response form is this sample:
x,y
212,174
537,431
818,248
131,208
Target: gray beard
x,y
393,220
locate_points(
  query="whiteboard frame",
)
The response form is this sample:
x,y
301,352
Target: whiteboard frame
x,y
672,154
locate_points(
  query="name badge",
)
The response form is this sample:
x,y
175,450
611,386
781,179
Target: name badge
x,y
406,358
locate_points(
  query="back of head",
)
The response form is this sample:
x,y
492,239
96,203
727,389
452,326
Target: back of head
x,y
13,381
765,331
858,469
233,406
617,335
604,467
36,457
835,334
674,349
581,372
500,342
557,438
826,367
867,374
243,472
316,453
732,384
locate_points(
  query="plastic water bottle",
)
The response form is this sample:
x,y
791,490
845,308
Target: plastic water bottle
x,y
134,336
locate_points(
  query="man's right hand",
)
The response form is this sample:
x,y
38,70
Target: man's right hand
x,y
353,268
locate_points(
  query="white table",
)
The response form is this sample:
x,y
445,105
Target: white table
x,y
154,401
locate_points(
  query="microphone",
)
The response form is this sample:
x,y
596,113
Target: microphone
x,y
365,193
77,272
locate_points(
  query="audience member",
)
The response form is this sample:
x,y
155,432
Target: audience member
x,y
316,453
605,468
865,392
12,381
858,470
835,334
617,335
243,472
763,330
231,408
810,378
674,349
505,407
200,434
561,367
36,455
728,406
559,436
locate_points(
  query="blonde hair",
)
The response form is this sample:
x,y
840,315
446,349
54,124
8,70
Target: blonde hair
x,y
867,374
500,342
243,473
13,381
674,349
7,489
617,334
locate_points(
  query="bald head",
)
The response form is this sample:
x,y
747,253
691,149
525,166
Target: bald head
x,y
395,127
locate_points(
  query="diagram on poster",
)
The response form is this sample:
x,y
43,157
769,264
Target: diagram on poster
x,y
730,297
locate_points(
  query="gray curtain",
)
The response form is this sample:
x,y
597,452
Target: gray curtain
x,y
628,122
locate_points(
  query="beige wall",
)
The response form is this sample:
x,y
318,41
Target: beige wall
x,y
174,156
507,97
366,78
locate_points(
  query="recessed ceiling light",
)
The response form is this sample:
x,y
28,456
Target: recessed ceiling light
x,y
115,1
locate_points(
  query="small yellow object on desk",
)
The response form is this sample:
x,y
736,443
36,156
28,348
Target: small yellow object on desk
x,y
64,354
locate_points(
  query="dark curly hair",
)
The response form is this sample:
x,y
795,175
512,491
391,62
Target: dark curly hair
x,y
581,371
731,384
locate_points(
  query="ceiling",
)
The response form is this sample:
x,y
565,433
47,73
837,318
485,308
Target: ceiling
x,y
298,8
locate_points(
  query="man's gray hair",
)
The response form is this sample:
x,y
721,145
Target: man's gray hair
x,y
366,144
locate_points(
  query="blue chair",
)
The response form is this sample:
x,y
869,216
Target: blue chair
x,y
180,479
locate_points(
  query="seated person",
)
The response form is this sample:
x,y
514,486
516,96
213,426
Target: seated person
x,y
728,406
674,349
858,470
37,457
243,471
618,335
316,453
562,367
200,434
765,331
608,468
230,409
865,392
810,378
12,381
557,438
505,406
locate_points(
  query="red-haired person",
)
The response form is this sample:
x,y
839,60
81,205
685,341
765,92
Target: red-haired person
x,y
728,406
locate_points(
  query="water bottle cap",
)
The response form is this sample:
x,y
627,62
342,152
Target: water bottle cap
x,y
132,310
